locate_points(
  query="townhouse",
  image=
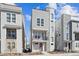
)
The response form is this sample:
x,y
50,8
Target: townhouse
x,y
67,33
11,29
43,30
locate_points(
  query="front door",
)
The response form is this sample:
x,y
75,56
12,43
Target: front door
x,y
69,46
41,47
11,47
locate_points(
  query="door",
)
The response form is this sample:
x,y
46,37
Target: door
x,y
11,47
69,46
41,47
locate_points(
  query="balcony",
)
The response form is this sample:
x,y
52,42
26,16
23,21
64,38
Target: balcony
x,y
39,36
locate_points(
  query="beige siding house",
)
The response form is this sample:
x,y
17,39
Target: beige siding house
x,y
67,35
42,30
11,29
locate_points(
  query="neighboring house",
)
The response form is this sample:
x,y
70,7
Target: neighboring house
x,y
67,32
43,30
11,29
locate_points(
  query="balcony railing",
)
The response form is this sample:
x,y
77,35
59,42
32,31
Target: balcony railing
x,y
44,38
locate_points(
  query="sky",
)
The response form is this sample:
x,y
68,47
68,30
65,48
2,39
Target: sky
x,y
27,11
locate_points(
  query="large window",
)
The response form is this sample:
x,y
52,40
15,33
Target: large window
x,y
40,22
39,35
11,34
76,36
11,17
8,17
14,18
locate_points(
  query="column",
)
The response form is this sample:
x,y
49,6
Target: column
x,y
43,47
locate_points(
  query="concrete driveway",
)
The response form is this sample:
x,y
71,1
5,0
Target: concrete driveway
x,y
61,54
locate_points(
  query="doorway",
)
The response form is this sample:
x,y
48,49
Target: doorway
x,y
69,46
41,46
11,47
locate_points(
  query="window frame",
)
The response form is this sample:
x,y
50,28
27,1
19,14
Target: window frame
x,y
8,16
42,22
38,21
13,17
9,33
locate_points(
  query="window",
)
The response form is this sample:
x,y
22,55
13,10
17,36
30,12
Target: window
x,y
77,44
52,16
51,20
52,39
14,18
77,25
8,45
13,45
65,44
11,33
8,17
42,22
38,22
67,35
37,35
52,28
36,43
76,36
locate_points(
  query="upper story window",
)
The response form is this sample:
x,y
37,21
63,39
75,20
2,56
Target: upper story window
x,y
67,36
42,22
52,16
14,18
77,36
11,34
38,21
37,35
11,17
8,17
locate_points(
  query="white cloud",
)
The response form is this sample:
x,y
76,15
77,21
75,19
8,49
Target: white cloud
x,y
58,9
38,7
52,5
66,9
28,17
